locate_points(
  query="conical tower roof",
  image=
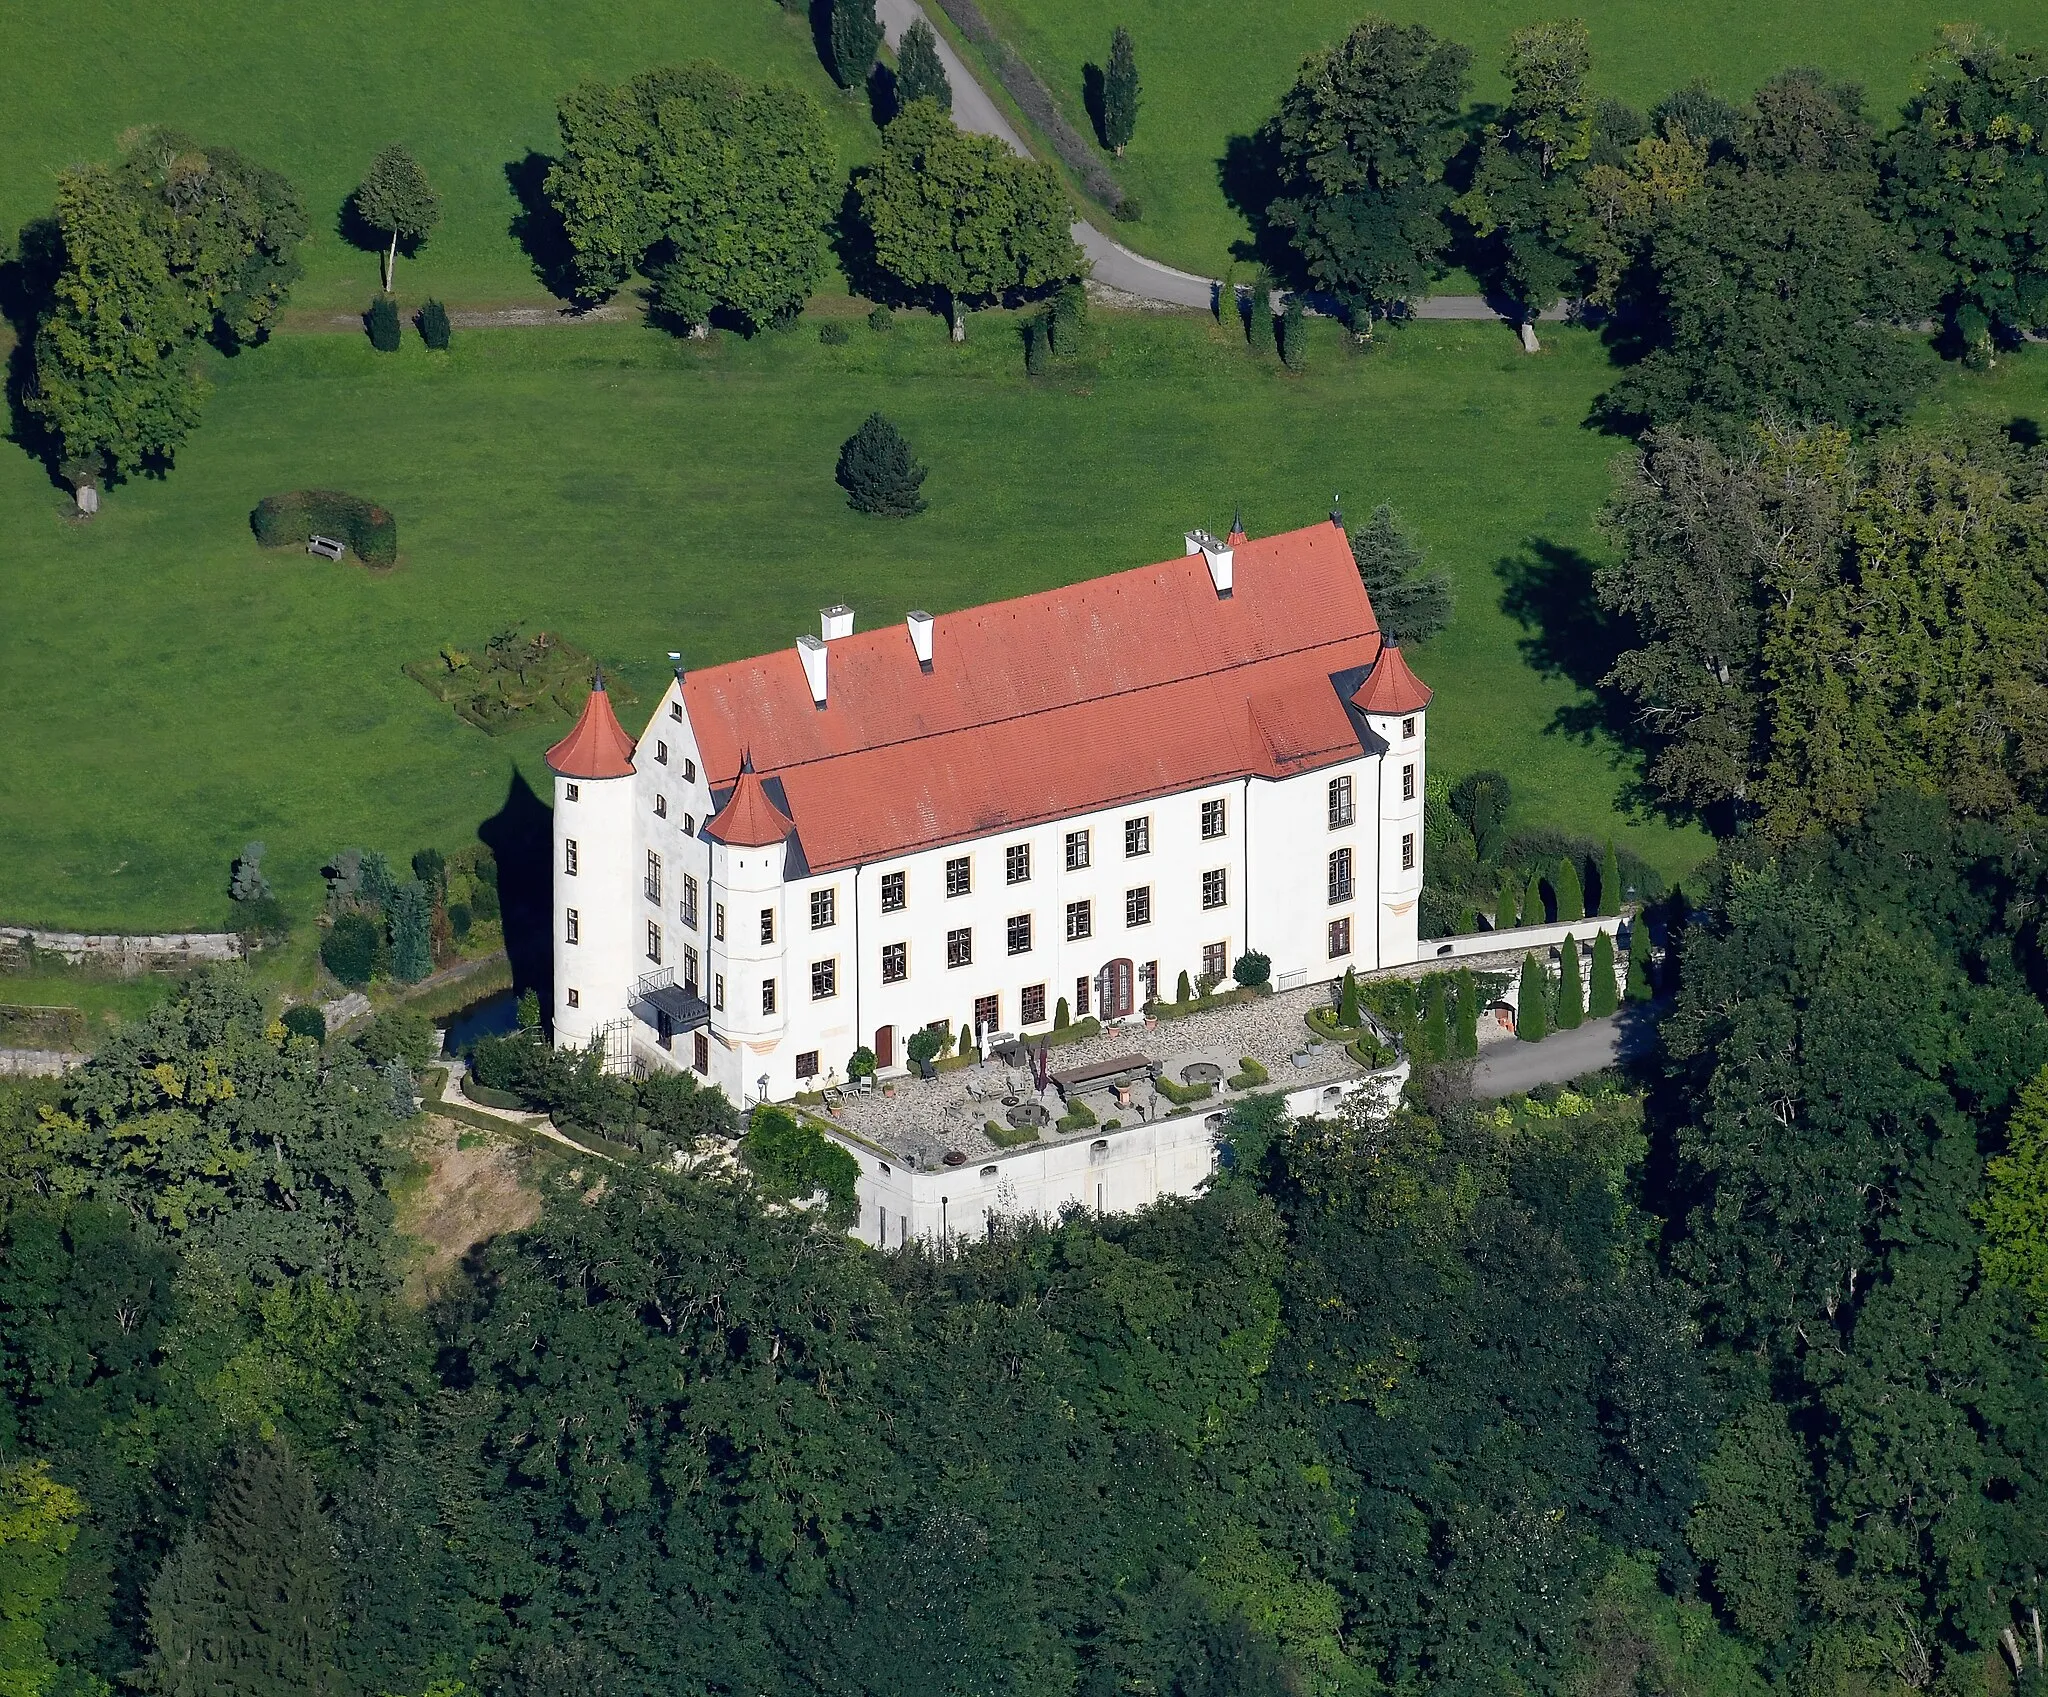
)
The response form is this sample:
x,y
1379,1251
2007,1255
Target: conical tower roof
x,y
749,819
1391,687
597,745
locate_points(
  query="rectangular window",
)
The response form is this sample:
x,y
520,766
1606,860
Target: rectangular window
x,y
1137,837
1408,851
689,969
1077,851
703,1055
767,925
654,941
1017,863
1407,729
718,920
1019,928
1148,980
689,824
1216,888
807,1063
575,998
572,927
570,792
824,909
653,876
569,857
1138,905
1213,819
718,991
892,892
895,962
824,980
675,710
1408,783
1032,1005
767,995
988,1014
689,901
1340,803
960,947
959,876
1340,875
1216,961
661,807
689,771
1081,998
661,752
1340,938
1080,920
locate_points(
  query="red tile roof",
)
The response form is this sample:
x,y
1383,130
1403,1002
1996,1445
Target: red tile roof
x,y
749,819
1392,688
1138,684
597,745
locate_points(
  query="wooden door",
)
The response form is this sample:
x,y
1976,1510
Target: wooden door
x,y
885,1046
1113,987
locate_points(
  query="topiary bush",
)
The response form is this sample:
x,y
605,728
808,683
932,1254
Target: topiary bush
x,y
1252,969
434,328
382,323
349,950
877,473
284,521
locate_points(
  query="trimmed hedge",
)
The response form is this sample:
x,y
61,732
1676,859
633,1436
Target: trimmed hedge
x,y
284,521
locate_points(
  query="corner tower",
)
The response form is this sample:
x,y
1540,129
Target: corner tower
x,y
1395,702
593,876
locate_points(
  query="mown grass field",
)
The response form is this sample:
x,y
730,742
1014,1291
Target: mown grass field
x,y
1212,70
171,690
316,90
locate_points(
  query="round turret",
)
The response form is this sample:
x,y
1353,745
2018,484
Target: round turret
x,y
594,849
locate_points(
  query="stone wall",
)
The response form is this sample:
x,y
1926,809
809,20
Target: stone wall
x,y
131,954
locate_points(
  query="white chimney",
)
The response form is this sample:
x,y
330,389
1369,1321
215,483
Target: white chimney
x,y
1217,555
921,638
836,622
812,653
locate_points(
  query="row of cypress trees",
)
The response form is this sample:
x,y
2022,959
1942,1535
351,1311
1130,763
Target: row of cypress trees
x,y
1540,1008
1521,903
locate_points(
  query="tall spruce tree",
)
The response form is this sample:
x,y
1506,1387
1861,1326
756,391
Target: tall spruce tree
x,y
1120,93
1600,989
856,39
1532,1022
920,74
246,1606
1411,602
878,473
412,931
1571,1000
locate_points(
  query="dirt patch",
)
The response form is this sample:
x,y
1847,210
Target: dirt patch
x,y
473,1187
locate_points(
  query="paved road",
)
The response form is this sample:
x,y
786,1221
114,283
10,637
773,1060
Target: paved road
x,y
1114,264
1504,1068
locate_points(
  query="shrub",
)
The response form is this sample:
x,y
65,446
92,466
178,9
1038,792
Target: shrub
x,y
1347,1001
500,1063
284,521
1061,1018
1250,1075
399,1034
460,920
1181,1095
925,1045
1252,969
1571,1001
1465,1031
877,472
349,950
382,323
1037,339
1294,334
1533,912
528,1010
681,1110
1262,314
881,320
1127,209
1436,1019
434,328
861,1063
1531,1023
430,867
246,882
1600,992
833,334
1183,991
1640,988
966,1039
1068,318
303,1019
1610,883
1078,1117
261,920
793,1161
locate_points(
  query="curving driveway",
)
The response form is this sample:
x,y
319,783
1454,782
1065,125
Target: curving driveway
x,y
1114,264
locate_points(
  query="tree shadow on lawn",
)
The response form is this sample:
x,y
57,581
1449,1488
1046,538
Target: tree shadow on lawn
x,y
1249,175
1547,588
27,287
537,226
521,837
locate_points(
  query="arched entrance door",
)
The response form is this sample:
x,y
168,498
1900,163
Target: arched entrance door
x,y
1113,985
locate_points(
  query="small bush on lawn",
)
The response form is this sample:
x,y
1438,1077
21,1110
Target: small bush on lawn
x,y
286,521
877,472
303,1019
435,330
1037,336
349,951
833,335
881,320
382,323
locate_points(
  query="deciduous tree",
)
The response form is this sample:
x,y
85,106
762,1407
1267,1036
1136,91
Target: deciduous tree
x,y
395,200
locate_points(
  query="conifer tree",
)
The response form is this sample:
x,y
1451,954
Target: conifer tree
x,y
1571,999
1294,334
1531,1023
1120,93
1347,1001
1571,894
412,921
1600,992
1262,314
1610,883
1533,912
1062,1016
246,1606
1436,1039
877,472
920,75
1465,1034
1507,912
1640,987
1183,991
856,38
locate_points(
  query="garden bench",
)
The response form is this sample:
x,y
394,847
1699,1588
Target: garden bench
x,y
326,547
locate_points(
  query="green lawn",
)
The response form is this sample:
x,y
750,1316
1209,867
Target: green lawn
x,y
316,90
1214,69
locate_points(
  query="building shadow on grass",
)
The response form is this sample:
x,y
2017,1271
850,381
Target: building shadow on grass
x,y
538,228
520,836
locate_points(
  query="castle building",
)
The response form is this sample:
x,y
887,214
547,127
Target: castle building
x,y
969,819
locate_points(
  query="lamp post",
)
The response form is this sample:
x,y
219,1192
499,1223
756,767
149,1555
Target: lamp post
x,y
764,1090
